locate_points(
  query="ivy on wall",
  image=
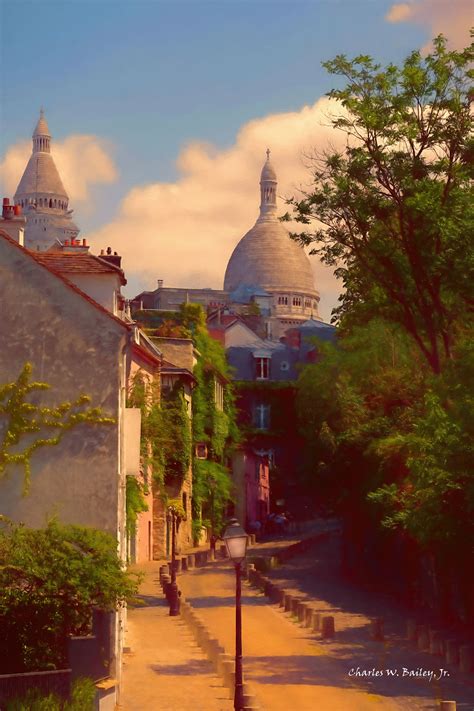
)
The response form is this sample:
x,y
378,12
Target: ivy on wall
x,y
28,427
212,484
135,503
167,434
166,442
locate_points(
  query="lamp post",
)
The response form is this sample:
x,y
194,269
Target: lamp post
x,y
173,595
235,539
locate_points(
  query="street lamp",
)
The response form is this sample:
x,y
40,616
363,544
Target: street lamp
x,y
174,594
235,539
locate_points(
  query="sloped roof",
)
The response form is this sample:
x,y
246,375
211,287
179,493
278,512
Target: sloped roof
x,y
80,263
34,256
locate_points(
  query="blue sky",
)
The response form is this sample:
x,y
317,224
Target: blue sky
x,y
150,76
175,102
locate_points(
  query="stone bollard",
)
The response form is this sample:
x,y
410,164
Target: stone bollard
x,y
294,606
466,658
287,603
163,571
327,627
184,563
281,597
301,610
308,616
191,560
452,651
228,673
411,630
268,589
221,660
214,649
447,706
376,629
316,621
423,638
275,595
436,644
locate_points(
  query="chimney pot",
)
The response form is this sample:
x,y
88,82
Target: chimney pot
x,y
84,242
109,250
17,210
102,251
6,201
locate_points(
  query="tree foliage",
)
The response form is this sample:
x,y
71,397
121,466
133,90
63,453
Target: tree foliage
x,y
50,579
393,211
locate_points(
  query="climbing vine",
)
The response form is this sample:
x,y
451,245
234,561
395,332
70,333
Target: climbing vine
x,y
212,484
135,503
28,427
166,433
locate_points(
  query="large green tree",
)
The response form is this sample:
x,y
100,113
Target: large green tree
x,y
393,210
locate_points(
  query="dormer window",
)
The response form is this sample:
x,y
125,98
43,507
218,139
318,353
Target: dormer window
x,y
262,368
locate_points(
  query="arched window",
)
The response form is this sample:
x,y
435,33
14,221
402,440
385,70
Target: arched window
x,y
50,202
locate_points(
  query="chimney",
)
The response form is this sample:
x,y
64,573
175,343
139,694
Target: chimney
x,y
13,222
160,283
114,258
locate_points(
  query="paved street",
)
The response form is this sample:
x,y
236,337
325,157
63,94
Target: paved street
x,y
288,666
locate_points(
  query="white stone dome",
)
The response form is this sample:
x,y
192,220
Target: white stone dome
x,y
267,256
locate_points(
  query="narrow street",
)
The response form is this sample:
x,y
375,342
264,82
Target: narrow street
x,y
288,666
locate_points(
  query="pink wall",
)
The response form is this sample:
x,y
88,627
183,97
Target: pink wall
x,y
257,488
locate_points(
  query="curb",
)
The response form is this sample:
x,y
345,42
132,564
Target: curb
x,y
223,663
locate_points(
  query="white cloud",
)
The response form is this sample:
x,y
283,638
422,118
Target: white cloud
x,y
452,18
82,161
184,232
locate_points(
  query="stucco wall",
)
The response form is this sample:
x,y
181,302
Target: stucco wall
x,y
101,287
76,349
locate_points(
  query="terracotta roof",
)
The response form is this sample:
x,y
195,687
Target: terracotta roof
x,y
58,275
80,263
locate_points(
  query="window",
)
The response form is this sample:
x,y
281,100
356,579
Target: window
x,y
218,394
262,416
307,303
296,301
283,300
284,365
263,368
257,470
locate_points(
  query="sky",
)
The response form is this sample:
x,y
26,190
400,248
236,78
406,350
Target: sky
x,y
161,112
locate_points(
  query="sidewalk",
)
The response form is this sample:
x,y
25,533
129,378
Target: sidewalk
x,y
164,669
